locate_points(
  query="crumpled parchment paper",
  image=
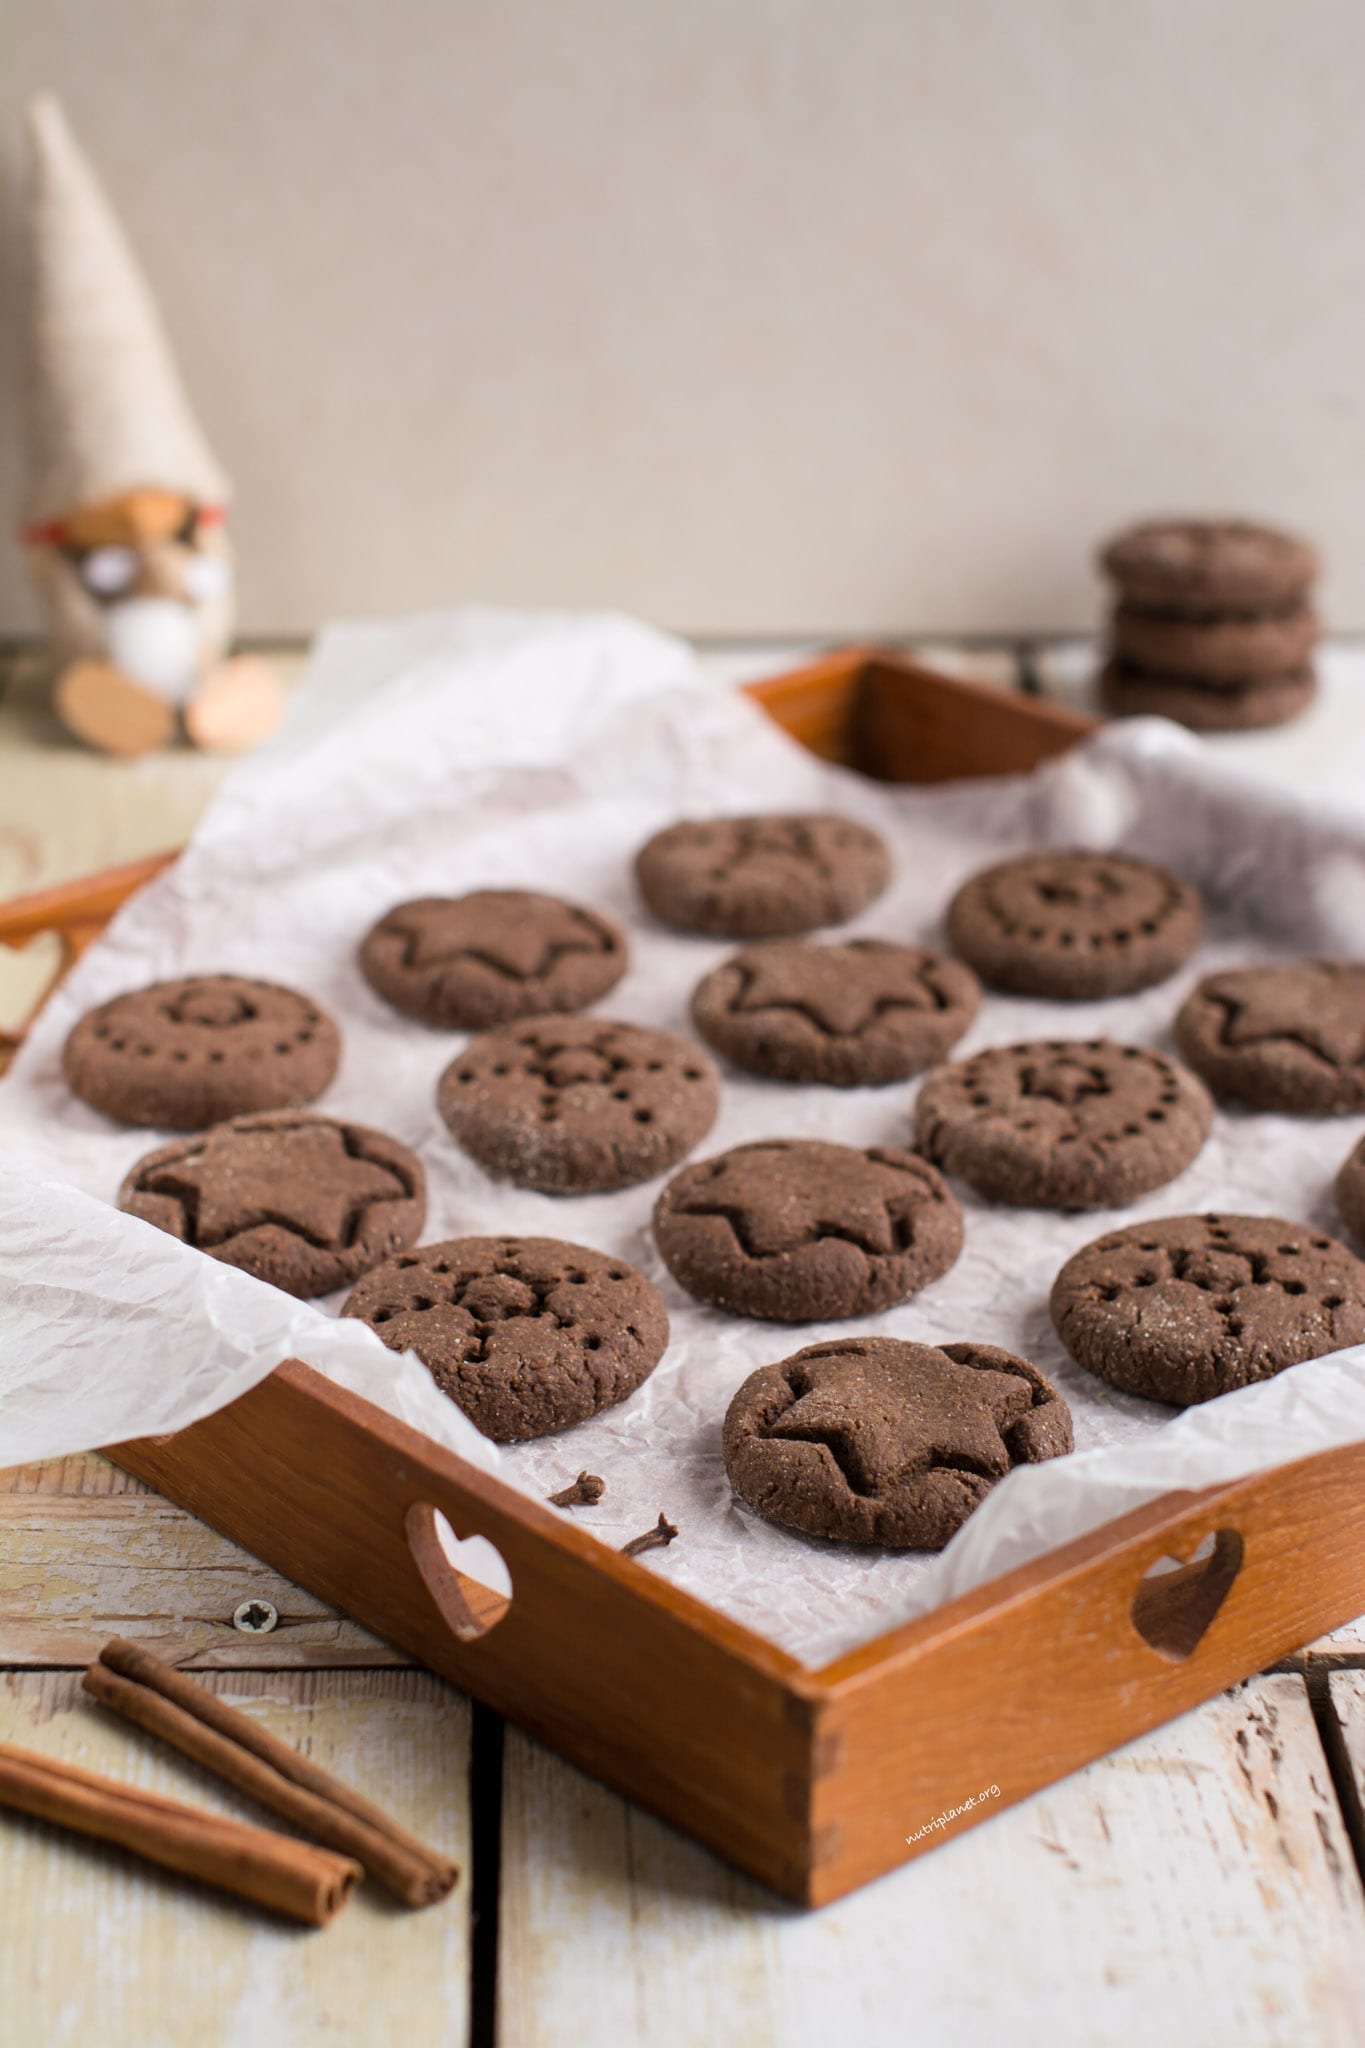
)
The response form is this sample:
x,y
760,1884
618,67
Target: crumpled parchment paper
x,y
445,754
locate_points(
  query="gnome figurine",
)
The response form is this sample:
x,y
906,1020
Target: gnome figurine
x,y
126,506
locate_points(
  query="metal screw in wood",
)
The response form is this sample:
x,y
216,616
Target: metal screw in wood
x,y
256,1617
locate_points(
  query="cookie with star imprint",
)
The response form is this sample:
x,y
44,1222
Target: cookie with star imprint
x,y
1074,926
578,1105
1187,1307
527,1335
761,877
1065,1124
467,962
1287,1036
800,1231
306,1202
850,1015
876,1441
188,1053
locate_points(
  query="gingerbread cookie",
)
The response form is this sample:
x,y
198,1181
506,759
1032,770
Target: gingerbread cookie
x,y
526,1334
871,1440
467,962
1130,692
854,1015
1286,1036
574,1105
306,1202
1074,926
753,878
185,1054
1069,1124
1234,648
1192,1306
799,1231
1350,1192
1209,565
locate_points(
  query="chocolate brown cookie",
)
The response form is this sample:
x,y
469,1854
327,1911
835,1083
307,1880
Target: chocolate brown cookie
x,y
1129,692
799,1231
306,1202
1350,1192
1209,565
468,962
1287,1036
754,878
854,1015
185,1054
527,1335
872,1440
1193,1306
1232,648
1074,926
573,1105
1070,1124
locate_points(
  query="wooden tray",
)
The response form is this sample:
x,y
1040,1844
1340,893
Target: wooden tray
x,y
812,1780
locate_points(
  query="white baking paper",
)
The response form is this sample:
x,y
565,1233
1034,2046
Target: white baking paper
x,y
447,754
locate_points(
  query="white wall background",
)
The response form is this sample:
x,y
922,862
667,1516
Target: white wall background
x,y
749,315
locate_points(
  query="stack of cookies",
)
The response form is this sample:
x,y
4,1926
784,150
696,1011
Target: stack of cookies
x,y
1212,624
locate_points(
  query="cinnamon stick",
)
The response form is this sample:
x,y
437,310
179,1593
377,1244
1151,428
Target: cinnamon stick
x,y
290,1877
134,1683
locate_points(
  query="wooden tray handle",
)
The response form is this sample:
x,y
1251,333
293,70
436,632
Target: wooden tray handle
x,y
593,1652
76,913
468,1607
1069,1657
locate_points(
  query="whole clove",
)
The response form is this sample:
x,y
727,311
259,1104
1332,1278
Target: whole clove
x,y
657,1538
585,1492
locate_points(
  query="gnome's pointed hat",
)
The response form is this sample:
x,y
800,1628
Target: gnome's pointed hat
x,y
106,411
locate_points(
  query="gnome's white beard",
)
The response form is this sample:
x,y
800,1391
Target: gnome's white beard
x,y
163,639
156,641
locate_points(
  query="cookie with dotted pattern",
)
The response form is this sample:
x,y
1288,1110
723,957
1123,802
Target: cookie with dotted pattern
x,y
1074,926
576,1105
186,1054
1187,1307
527,1335
1066,1124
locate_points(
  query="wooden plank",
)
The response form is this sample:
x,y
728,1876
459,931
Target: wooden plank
x,y
84,1473
1346,1693
76,1570
1342,1642
100,1948
1196,1886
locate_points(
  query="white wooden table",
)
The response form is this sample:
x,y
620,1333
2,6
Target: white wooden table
x,y
1200,1887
